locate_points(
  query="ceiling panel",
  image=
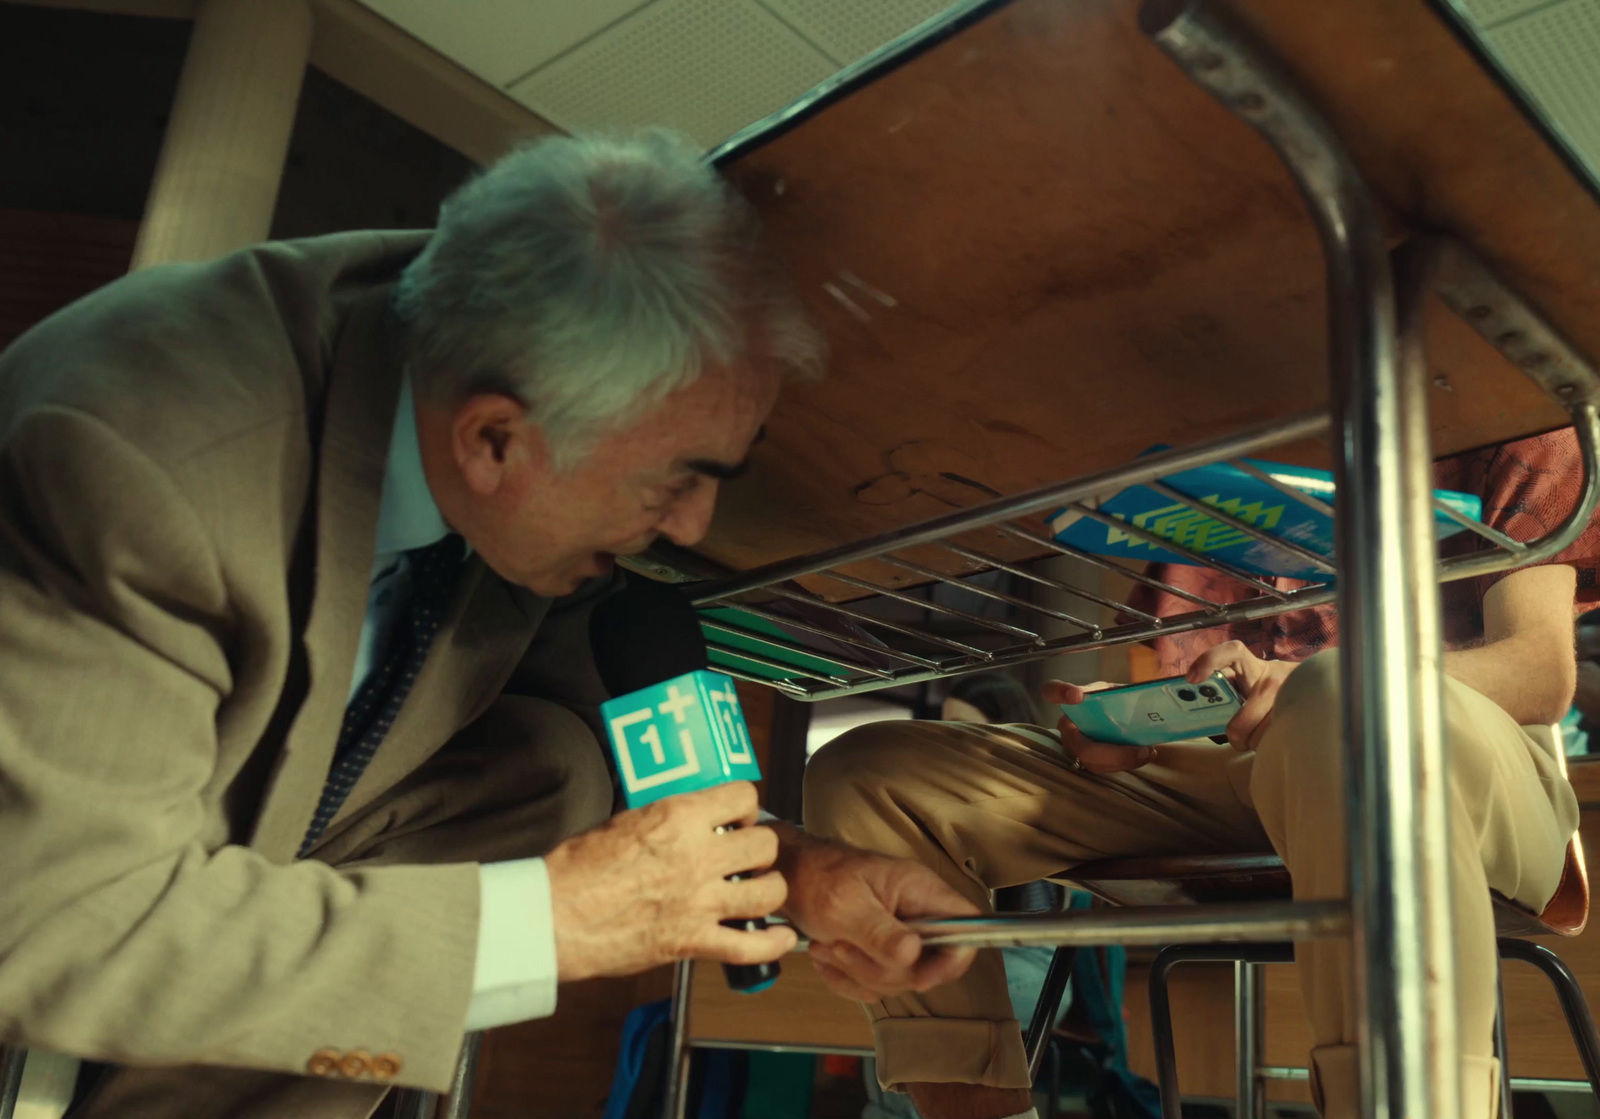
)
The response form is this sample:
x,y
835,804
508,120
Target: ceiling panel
x,y
501,40
849,29
706,67
1555,54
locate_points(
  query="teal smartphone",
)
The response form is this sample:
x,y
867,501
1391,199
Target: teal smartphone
x,y
1157,711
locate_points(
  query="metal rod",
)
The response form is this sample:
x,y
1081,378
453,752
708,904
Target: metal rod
x,y
13,1059
1580,1021
1162,542
780,643
1246,1037
832,635
1239,524
987,592
1156,924
776,665
1502,1047
772,1047
675,1105
936,608
1098,484
1316,504
458,1101
1106,565
1492,535
1037,1037
1587,425
792,690
1518,1083
1388,599
1044,580
846,611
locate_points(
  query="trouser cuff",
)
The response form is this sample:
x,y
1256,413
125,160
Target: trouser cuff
x,y
1336,1090
950,1051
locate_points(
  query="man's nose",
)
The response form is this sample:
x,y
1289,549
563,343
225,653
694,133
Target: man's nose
x,y
689,518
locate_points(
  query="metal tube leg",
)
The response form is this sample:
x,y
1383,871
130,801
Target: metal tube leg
x,y
1161,1031
1576,1008
1037,1039
676,1103
413,1103
1410,1062
1246,1037
1502,1050
12,1060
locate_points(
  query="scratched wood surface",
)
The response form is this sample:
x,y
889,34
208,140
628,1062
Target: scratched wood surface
x,y
1039,249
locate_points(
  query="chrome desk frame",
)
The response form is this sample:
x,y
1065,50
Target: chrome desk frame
x,y
1387,590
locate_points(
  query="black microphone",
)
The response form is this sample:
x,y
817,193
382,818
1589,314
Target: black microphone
x,y
643,635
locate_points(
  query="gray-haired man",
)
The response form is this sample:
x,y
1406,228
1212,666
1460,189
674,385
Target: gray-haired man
x,y
293,553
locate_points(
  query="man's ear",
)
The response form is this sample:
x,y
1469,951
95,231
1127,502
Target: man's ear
x,y
495,445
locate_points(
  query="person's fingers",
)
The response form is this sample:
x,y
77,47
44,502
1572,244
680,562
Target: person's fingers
x,y
758,896
922,893
735,803
1228,655
1102,757
745,849
1060,691
939,966
1245,726
870,973
880,936
738,946
838,982
1254,742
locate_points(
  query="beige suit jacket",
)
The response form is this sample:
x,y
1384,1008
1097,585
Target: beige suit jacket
x,y
190,468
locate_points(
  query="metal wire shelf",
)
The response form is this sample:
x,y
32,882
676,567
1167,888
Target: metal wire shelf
x,y
885,651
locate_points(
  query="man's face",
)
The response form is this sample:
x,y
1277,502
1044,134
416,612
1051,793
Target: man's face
x,y
491,472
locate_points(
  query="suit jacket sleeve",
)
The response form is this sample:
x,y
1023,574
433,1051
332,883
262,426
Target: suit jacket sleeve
x,y
131,929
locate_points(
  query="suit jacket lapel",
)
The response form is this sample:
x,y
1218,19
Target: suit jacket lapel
x,y
489,629
363,389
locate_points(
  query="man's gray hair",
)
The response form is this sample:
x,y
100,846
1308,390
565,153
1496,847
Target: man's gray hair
x,y
589,277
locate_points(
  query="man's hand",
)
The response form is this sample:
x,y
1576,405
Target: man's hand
x,y
1096,757
853,905
649,887
1256,680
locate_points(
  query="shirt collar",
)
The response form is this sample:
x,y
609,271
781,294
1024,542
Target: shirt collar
x,y
408,517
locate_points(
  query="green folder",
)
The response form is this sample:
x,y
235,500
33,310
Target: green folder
x,y
784,655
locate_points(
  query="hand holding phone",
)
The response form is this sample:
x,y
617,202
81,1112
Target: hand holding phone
x,y
1155,712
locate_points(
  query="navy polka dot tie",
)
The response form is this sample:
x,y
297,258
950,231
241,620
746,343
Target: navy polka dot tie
x,y
377,702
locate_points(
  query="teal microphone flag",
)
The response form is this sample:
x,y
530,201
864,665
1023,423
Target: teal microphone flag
x,y
678,736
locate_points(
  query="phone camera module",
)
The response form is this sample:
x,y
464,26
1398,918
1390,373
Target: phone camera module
x,y
1186,694
1210,693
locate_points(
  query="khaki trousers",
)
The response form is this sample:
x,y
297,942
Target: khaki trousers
x,y
996,806
512,785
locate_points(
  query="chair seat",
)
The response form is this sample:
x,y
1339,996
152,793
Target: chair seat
x,y
1210,879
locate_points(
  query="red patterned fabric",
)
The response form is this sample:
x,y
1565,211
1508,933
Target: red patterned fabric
x,y
1528,488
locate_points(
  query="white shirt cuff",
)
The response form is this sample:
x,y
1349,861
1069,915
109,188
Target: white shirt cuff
x,y
515,975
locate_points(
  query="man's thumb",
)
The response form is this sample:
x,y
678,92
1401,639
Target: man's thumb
x,y
892,944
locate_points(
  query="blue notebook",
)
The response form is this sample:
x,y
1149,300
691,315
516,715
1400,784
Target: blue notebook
x,y
1244,497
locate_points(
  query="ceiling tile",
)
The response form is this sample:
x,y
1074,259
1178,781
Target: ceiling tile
x,y
705,67
501,40
849,29
1555,54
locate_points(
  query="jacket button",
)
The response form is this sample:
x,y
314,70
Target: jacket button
x,y
324,1062
354,1064
385,1066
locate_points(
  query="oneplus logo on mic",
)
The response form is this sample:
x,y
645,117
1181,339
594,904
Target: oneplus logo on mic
x,y
683,734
